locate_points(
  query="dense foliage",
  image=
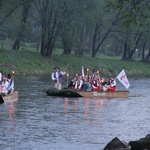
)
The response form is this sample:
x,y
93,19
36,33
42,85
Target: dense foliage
x,y
110,27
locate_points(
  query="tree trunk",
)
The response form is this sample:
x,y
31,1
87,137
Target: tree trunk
x,y
125,51
66,48
96,45
135,47
148,56
143,51
94,41
25,11
50,46
49,12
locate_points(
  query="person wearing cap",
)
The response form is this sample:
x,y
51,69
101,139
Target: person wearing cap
x,y
57,77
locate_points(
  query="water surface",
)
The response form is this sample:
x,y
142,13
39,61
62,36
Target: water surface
x,y
40,122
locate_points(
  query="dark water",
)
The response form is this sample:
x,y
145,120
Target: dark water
x,y
40,122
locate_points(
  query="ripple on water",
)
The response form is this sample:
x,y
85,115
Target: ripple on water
x,y
38,121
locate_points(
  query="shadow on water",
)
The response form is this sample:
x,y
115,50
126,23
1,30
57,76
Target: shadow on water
x,y
37,121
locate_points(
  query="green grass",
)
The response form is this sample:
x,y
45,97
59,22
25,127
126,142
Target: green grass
x,y
30,63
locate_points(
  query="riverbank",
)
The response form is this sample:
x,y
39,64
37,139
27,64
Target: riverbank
x,y
27,63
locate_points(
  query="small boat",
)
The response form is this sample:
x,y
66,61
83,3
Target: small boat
x,y
86,94
9,98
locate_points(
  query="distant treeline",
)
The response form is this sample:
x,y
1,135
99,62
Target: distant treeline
x,y
111,27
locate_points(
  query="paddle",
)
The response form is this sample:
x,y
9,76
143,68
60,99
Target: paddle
x,y
67,66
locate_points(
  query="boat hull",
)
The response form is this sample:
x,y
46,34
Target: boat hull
x,y
107,94
9,98
87,94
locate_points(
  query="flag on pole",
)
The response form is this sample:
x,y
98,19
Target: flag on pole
x,y
123,79
82,71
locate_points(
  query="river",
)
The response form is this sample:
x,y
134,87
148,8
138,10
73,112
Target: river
x,y
40,122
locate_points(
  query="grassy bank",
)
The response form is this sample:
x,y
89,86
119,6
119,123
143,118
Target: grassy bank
x,y
29,63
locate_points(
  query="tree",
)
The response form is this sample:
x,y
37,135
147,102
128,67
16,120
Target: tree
x,y
7,7
50,15
134,14
106,21
25,10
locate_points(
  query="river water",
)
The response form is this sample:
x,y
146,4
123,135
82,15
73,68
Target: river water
x,y
40,122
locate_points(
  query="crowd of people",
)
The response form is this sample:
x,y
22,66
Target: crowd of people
x,y
88,82
6,84
92,82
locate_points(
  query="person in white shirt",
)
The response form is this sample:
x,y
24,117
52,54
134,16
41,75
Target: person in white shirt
x,y
57,77
79,83
10,83
4,85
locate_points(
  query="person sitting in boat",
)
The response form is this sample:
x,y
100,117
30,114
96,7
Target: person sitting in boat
x,y
86,84
103,84
4,89
57,77
79,83
10,83
94,73
73,81
96,84
111,84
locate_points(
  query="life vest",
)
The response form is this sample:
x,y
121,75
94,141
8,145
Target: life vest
x,y
95,86
57,78
59,74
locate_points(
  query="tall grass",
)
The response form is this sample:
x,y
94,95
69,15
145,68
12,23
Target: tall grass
x,y
28,61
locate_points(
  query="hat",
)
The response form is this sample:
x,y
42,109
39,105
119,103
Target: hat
x,y
9,76
56,67
94,70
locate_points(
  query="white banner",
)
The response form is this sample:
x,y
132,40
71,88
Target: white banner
x,y
123,79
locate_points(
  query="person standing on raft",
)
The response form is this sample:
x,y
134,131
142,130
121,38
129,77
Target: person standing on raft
x,y
57,77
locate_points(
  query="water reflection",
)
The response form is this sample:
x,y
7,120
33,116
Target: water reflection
x,y
10,124
88,103
66,101
71,123
11,109
99,104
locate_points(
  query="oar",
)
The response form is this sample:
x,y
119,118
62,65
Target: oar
x,y
67,66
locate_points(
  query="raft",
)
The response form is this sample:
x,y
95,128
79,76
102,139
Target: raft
x,y
9,98
86,94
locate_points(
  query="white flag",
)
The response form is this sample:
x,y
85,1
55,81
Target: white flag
x,y
82,71
123,79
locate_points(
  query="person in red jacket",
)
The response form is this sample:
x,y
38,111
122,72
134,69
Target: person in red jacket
x,y
95,84
111,84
